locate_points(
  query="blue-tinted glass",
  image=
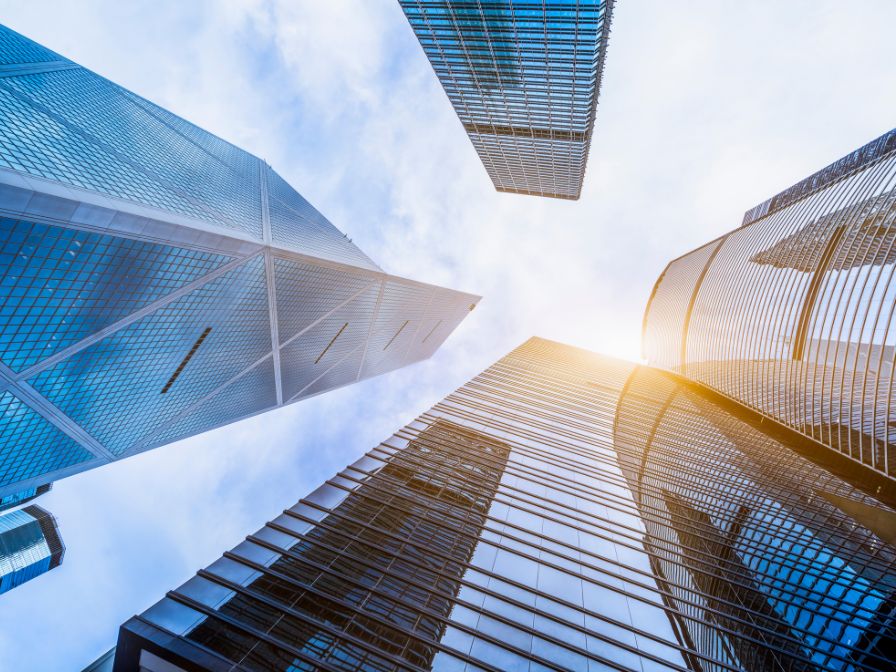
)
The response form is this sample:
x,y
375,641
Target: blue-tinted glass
x,y
15,48
94,136
250,393
68,291
114,387
297,225
60,285
24,552
30,445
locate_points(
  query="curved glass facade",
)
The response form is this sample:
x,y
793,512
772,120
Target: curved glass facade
x,y
524,78
766,561
794,313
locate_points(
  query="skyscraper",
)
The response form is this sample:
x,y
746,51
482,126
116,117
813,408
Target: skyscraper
x,y
524,78
29,546
794,313
562,510
157,281
23,496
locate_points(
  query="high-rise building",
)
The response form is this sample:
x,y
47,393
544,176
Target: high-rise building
x,y
18,498
29,546
157,281
562,510
794,313
524,78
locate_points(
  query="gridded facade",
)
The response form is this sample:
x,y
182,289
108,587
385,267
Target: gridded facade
x,y
524,78
537,519
157,281
794,313
29,546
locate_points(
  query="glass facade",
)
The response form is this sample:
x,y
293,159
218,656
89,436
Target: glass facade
x,y
562,510
794,313
157,281
768,561
524,78
26,495
29,546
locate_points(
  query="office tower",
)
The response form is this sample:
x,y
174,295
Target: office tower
x,y
794,313
157,281
562,510
29,546
766,560
23,496
524,78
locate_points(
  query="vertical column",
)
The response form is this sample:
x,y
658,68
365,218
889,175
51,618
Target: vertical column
x,y
269,277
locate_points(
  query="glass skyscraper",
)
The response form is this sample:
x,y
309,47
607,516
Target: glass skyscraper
x,y
23,496
524,78
562,510
157,281
29,546
794,313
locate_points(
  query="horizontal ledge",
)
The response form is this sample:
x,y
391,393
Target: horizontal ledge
x,y
525,132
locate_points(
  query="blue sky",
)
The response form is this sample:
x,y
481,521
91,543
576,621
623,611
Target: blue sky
x,y
708,107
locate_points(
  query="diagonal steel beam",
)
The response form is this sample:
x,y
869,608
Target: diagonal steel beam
x,y
130,319
145,442
269,276
376,314
38,403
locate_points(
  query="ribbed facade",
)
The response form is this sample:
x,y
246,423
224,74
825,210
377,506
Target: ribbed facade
x,y
29,546
561,510
157,281
794,313
766,561
524,78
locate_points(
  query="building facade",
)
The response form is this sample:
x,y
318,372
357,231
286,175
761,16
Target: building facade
x,y
30,545
524,78
562,510
794,313
23,496
158,282
766,561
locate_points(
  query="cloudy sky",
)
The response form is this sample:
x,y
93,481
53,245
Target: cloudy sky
x,y
707,108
